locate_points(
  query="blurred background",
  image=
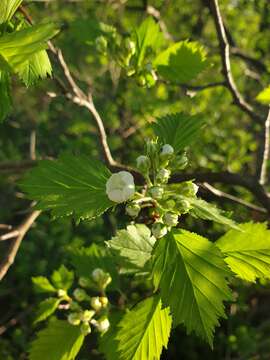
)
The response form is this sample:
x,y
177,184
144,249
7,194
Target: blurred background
x,y
228,142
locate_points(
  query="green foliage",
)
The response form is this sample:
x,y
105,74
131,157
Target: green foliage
x,y
7,9
59,341
132,247
46,308
248,251
43,285
141,333
264,96
70,185
190,273
62,278
181,62
178,130
207,211
5,98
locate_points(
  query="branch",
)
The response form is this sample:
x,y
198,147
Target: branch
x,y
265,153
14,244
226,63
16,166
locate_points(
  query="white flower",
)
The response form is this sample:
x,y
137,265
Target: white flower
x,y
103,325
171,219
120,187
167,149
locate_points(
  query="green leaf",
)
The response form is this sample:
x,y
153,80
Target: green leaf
x,y
37,67
264,96
181,62
248,251
7,9
87,259
142,332
43,285
70,185
18,47
178,130
207,211
133,247
46,308
5,97
59,341
191,274
148,35
62,278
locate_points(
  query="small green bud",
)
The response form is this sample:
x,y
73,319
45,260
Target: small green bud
x,y
150,79
183,206
96,303
163,176
101,278
143,163
97,275
61,293
101,44
130,71
133,209
156,192
104,301
87,315
188,188
180,162
84,282
170,219
141,81
167,152
159,230
74,318
74,306
130,46
103,325
85,328
80,294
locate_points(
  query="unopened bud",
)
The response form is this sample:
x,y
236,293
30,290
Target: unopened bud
x,y
104,301
96,303
101,44
84,282
103,325
170,219
159,230
74,318
80,294
85,328
87,315
180,162
133,209
143,163
130,46
167,152
97,275
163,175
101,278
61,293
183,206
156,192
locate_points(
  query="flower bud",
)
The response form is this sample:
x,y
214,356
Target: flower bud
x,y
96,303
74,318
183,206
143,163
141,81
156,192
159,230
61,293
180,162
193,189
101,278
85,328
104,301
80,294
120,187
74,306
103,325
101,44
130,46
87,315
170,219
84,282
133,209
98,275
152,148
163,176
188,188
167,152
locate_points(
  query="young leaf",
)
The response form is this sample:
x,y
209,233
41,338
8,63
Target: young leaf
x,y
191,274
42,284
264,96
248,251
69,185
37,67
18,47
142,332
207,211
148,35
59,341
7,9
46,308
87,259
181,62
5,98
133,247
62,278
178,130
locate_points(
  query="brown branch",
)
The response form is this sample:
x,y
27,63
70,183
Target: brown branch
x,y
226,63
14,244
16,166
265,152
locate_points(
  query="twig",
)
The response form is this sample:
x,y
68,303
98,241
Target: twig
x,y
225,195
32,145
265,155
226,63
14,244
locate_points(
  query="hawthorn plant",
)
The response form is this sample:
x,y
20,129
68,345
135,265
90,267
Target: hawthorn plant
x,y
187,276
